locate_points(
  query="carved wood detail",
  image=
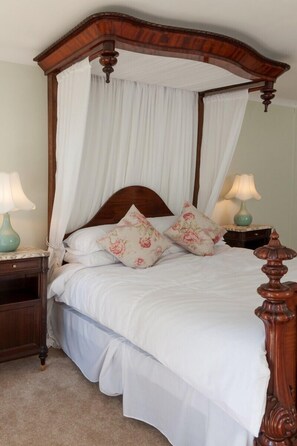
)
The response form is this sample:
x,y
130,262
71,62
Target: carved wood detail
x,y
279,424
267,94
108,58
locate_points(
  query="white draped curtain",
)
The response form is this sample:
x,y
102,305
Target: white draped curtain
x,y
223,117
124,133
72,107
136,134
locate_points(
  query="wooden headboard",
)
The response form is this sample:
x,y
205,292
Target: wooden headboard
x,y
146,200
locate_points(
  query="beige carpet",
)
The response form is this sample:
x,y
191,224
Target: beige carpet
x,y
59,407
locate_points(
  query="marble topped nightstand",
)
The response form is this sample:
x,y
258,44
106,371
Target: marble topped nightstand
x,y
23,253
250,237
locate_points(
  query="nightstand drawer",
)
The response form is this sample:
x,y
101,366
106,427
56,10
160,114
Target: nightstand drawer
x,y
258,234
20,265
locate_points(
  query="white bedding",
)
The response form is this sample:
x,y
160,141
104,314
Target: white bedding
x,y
194,314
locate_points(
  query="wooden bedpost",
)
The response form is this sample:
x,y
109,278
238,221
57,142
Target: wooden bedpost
x,y
52,131
199,144
279,425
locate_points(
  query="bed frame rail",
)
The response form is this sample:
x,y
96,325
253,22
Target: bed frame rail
x,y
278,311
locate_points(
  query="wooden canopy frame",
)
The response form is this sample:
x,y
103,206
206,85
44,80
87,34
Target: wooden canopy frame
x,y
100,36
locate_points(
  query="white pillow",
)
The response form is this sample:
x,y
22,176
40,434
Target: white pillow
x,y
162,224
83,241
98,258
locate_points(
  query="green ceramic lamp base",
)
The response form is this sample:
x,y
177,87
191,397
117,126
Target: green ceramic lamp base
x,y
9,239
243,217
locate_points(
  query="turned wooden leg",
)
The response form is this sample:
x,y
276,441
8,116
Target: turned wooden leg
x,y
42,357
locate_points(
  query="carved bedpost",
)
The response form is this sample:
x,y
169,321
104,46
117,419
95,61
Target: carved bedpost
x,y
279,423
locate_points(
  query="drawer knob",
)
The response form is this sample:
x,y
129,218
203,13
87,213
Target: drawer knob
x,y
14,265
256,233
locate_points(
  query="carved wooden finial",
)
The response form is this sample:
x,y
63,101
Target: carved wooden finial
x,y
274,250
274,269
108,59
279,424
268,94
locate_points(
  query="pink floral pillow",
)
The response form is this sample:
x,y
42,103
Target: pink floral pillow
x,y
195,232
134,241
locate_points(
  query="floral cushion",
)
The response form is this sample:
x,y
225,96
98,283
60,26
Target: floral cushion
x,y
195,232
134,241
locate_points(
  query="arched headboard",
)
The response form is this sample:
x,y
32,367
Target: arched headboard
x,y
146,200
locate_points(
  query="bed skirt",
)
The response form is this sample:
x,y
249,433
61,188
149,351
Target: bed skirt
x,y
151,392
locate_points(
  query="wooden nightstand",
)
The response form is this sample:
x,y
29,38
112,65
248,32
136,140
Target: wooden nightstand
x,y
23,304
250,237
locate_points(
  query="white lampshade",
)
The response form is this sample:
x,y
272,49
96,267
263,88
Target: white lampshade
x,y
12,197
243,188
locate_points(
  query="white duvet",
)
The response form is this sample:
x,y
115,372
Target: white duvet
x,y
194,314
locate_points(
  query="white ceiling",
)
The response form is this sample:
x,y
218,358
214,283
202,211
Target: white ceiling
x,y
27,27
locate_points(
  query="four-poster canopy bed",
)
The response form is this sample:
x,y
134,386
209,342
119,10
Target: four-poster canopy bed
x,y
103,37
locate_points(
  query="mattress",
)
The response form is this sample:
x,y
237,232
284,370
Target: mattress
x,y
195,315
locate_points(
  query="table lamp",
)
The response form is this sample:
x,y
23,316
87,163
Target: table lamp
x,y
244,189
12,198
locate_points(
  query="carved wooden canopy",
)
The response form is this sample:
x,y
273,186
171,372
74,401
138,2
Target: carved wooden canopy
x,y
101,34
89,38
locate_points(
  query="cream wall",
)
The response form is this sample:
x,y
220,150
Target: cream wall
x,y
267,147
23,144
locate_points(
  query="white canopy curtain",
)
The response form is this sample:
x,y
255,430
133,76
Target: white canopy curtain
x,y
73,100
223,117
136,134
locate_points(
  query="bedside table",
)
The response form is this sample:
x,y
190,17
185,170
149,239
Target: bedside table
x,y
23,304
250,237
